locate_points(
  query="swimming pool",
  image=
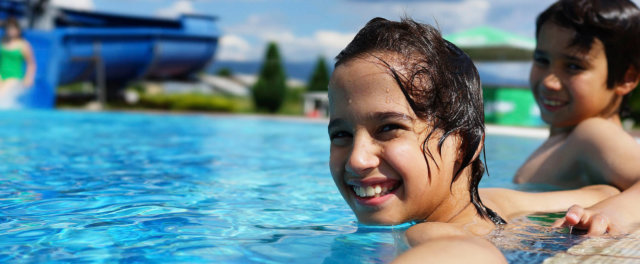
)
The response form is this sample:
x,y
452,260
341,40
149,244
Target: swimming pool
x,y
115,187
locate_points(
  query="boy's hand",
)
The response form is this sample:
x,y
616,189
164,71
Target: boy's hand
x,y
598,220
615,215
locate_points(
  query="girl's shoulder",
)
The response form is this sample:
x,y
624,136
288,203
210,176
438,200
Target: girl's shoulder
x,y
426,231
16,45
23,43
453,249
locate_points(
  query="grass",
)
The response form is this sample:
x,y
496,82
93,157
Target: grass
x,y
186,102
292,105
293,102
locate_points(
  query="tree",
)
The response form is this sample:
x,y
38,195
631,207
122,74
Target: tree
x,y
224,72
270,89
320,78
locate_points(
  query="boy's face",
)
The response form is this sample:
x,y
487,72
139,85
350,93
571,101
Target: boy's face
x,y
569,86
376,158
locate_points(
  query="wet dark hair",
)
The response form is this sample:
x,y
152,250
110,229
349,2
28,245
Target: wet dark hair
x,y
614,22
10,22
438,80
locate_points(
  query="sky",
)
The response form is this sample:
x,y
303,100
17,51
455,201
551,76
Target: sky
x,y
307,29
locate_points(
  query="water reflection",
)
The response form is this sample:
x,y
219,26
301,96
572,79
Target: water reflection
x,y
530,239
368,245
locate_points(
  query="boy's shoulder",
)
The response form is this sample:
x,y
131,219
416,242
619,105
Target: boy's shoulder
x,y
598,129
601,138
608,149
593,152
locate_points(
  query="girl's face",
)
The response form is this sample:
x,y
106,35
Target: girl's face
x,y
376,158
13,32
569,86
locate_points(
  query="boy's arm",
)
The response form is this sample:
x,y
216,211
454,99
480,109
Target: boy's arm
x,y
511,203
616,215
456,249
609,151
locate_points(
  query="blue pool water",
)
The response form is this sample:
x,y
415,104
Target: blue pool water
x,y
135,188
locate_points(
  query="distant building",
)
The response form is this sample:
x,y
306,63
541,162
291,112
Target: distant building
x,y
316,104
226,85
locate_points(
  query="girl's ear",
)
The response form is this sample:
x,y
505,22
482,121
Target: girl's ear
x,y
476,155
630,82
479,150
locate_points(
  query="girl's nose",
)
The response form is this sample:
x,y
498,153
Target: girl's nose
x,y
363,156
552,82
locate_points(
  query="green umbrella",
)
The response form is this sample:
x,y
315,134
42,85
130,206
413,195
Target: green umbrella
x,y
490,44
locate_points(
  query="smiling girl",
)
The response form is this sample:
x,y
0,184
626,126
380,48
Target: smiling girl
x,y
406,129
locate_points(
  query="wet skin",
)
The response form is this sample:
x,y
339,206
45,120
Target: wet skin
x,y
376,139
569,85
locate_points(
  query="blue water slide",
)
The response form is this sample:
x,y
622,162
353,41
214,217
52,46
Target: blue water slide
x,y
80,45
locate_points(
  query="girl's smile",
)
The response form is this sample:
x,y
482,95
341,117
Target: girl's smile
x,y
377,160
374,192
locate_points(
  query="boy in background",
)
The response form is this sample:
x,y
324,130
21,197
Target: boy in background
x,y
586,63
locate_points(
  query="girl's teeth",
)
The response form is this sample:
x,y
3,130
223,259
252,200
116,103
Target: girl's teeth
x,y
370,191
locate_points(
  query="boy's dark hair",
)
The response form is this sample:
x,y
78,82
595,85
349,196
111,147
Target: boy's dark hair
x,y
438,80
614,22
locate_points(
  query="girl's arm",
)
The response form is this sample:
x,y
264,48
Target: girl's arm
x,y
29,76
510,203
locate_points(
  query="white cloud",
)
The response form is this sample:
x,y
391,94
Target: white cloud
x,y
257,30
261,26
333,42
74,4
450,16
247,41
322,42
176,9
234,48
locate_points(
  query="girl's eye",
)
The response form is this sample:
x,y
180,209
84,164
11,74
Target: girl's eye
x,y
389,127
339,134
574,67
389,132
540,60
340,138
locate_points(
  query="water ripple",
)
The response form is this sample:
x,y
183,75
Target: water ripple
x,y
110,187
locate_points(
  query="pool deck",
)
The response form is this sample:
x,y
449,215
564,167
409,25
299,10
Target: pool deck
x,y
531,132
602,250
